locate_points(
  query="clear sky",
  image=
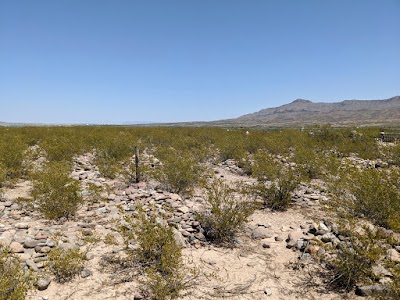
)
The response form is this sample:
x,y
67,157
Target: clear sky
x,y
112,61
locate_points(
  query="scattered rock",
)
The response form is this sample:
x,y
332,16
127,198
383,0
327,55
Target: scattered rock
x,y
261,233
16,247
393,255
267,291
86,273
368,290
43,283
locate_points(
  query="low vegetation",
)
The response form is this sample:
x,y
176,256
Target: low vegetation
x,y
65,264
158,256
55,193
14,281
359,175
225,213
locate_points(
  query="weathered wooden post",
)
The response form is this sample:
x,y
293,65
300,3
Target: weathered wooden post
x,y
137,166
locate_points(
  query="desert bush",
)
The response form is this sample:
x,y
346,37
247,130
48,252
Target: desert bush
x,y
278,194
265,167
56,194
355,258
65,264
225,214
3,173
11,156
158,254
372,194
14,281
179,172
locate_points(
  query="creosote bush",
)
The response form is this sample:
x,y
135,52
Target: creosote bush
x,y
14,281
157,254
225,214
278,196
56,194
65,264
354,259
179,172
372,194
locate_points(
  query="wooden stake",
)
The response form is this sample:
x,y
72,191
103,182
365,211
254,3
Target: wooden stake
x,y
137,164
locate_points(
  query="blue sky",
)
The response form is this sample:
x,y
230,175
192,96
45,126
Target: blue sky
x,y
98,61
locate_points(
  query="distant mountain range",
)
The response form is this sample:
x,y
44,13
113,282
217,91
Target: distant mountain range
x,y
305,112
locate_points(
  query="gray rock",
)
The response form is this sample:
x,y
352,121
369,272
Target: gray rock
x,y
368,290
379,270
30,243
261,233
43,283
22,225
89,256
328,237
86,273
393,255
31,264
179,239
16,247
5,241
66,246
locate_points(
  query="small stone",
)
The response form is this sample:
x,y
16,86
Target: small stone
x,y
66,246
22,225
16,247
266,245
393,255
278,239
87,232
183,209
30,243
43,283
261,233
31,264
5,241
267,291
86,273
368,290
252,264
89,256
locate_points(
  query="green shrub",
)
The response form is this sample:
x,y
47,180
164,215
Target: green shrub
x,y
157,254
354,259
225,215
65,264
278,195
56,194
14,281
3,173
12,150
265,167
179,172
372,194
